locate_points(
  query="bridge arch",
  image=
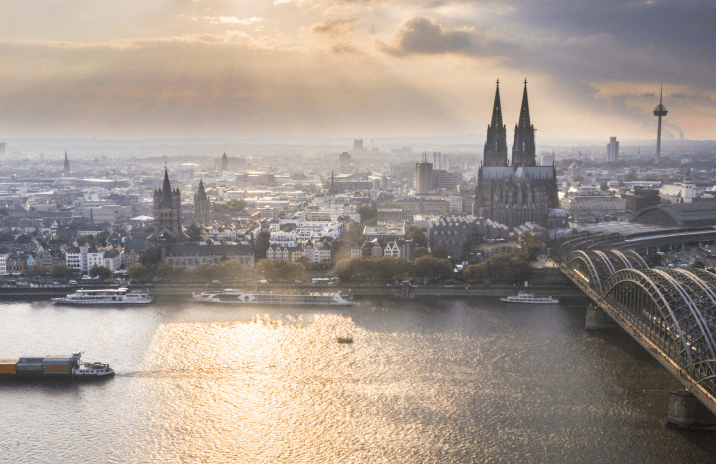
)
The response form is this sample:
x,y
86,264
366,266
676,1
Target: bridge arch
x,y
589,270
635,259
660,308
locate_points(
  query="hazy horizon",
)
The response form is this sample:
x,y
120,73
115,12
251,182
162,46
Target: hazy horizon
x,y
343,69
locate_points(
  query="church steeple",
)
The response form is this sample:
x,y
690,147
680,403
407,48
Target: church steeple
x,y
497,108
523,149
66,169
495,153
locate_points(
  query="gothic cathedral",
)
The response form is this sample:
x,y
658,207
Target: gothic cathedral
x,y
522,191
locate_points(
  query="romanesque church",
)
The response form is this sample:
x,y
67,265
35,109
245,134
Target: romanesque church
x,y
202,207
167,215
520,192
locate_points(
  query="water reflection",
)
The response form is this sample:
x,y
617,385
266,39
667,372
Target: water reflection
x,y
428,381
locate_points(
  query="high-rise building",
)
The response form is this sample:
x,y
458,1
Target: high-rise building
x,y
612,150
3,145
66,169
358,145
523,149
437,158
202,207
224,163
495,153
659,111
424,178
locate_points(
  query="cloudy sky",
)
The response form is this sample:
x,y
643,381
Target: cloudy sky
x,y
363,68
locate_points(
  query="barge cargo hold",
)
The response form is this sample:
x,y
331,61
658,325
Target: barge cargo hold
x,y
53,368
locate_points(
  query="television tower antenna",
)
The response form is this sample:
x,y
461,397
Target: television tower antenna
x,y
659,111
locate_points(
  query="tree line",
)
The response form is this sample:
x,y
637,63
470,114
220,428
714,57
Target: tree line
x,y
389,268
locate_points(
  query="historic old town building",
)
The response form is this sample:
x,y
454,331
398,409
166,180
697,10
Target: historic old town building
x,y
202,207
167,214
520,192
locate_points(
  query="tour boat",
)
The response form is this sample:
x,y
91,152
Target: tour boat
x,y
241,297
523,297
106,296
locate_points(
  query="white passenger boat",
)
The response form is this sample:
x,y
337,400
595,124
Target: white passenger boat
x,y
106,296
529,298
232,296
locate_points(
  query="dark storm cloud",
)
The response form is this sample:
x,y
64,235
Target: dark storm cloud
x,y
686,25
422,36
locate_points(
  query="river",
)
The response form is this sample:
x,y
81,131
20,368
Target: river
x,y
431,380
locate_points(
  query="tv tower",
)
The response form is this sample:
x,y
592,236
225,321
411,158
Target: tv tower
x,y
659,111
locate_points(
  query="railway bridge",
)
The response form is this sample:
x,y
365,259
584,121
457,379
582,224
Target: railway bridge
x,y
671,313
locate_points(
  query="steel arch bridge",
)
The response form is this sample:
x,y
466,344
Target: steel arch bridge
x,y
672,313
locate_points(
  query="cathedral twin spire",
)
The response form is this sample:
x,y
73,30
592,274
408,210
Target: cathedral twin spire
x,y
495,153
523,148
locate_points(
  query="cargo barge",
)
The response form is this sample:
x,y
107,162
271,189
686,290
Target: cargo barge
x,y
53,368
105,296
241,297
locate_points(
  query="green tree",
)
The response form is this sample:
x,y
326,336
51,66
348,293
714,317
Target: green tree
x,y
194,232
344,270
367,213
416,234
630,176
86,239
23,239
263,241
435,268
101,238
150,256
137,271
100,271
280,270
61,271
419,253
36,270
440,252
232,206
604,186
355,234
509,267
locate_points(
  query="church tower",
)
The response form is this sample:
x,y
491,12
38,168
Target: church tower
x,y
495,153
66,170
523,150
167,212
202,207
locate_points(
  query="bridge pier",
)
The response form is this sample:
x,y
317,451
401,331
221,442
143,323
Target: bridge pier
x,y
686,411
597,319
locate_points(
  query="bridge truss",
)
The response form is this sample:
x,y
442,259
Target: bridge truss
x,y
672,313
